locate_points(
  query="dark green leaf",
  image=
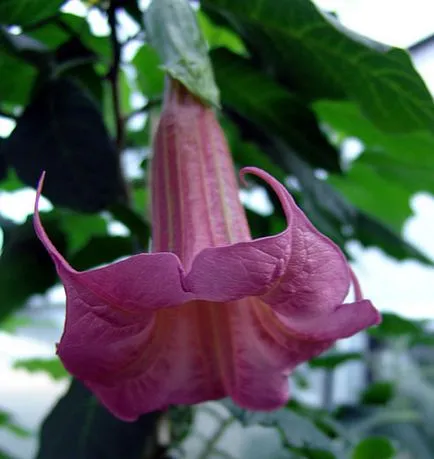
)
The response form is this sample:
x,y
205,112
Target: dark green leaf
x,y
80,428
12,89
53,367
173,31
76,61
378,393
62,132
150,77
315,55
394,325
3,164
132,8
25,266
181,420
66,27
100,250
272,109
24,12
25,48
331,361
80,228
374,447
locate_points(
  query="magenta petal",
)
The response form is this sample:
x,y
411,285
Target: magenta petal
x,y
235,271
308,296
138,284
317,276
344,321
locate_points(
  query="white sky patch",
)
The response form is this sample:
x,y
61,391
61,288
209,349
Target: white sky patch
x,y
398,23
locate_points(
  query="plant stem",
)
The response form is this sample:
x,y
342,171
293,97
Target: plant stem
x,y
212,442
113,76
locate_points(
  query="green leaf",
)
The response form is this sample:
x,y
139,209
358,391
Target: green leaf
x,y
378,447
217,36
53,367
172,28
66,27
378,393
7,422
80,228
331,361
25,48
80,428
403,159
12,324
372,193
12,89
76,61
394,325
272,109
100,250
25,266
62,132
11,182
25,12
150,77
316,56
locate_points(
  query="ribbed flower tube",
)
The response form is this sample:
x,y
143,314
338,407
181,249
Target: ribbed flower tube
x,y
194,187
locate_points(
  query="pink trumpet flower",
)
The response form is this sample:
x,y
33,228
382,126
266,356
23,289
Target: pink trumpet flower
x,y
210,312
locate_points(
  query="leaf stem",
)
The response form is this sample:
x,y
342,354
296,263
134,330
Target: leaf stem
x,y
212,442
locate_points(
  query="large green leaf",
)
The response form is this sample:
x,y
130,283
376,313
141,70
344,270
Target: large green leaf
x,y
326,207
80,428
24,12
385,200
314,55
62,132
404,159
272,108
25,266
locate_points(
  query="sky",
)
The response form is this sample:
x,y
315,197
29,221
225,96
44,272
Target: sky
x,y
403,287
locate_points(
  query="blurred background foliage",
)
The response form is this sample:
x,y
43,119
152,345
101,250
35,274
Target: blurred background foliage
x,y
295,86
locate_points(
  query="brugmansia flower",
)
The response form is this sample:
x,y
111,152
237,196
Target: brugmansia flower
x,y
211,312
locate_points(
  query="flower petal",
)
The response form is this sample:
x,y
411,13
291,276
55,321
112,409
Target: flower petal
x,y
138,284
244,269
308,296
317,276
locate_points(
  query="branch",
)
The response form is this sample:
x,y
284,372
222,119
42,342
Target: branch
x,y
113,75
144,108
